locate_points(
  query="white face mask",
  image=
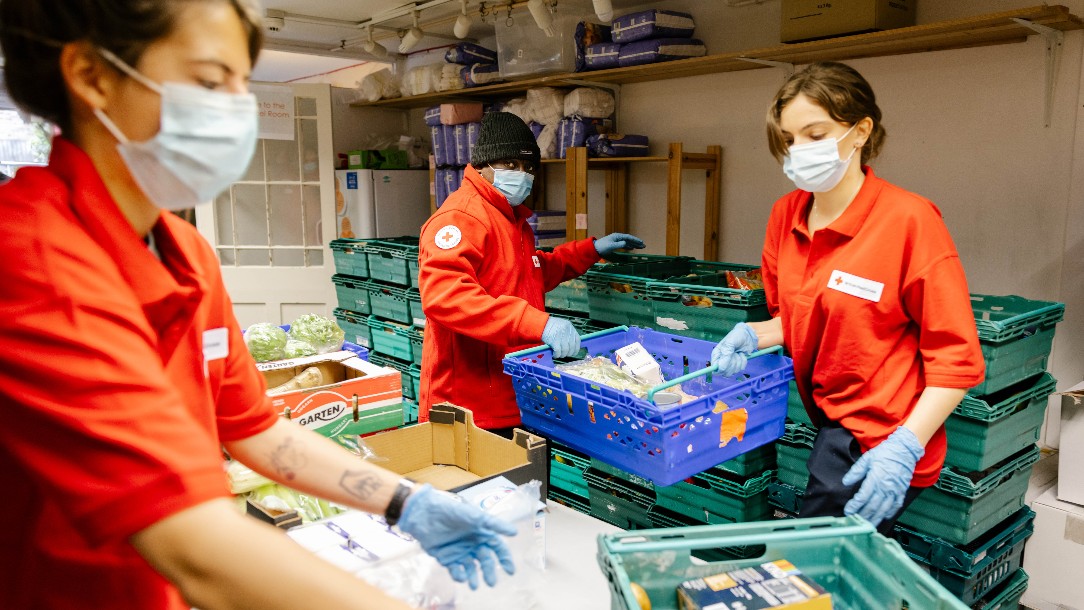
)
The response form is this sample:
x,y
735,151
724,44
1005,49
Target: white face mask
x,y
204,143
816,166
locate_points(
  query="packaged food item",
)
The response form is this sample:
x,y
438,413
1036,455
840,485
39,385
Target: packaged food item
x,y
603,371
745,280
776,584
636,361
266,342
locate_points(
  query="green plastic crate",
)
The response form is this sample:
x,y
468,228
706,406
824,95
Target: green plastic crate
x,y
399,341
1016,335
618,294
792,455
960,507
661,517
412,375
569,296
983,430
410,412
796,412
1007,595
581,504
390,302
704,307
353,294
566,469
355,325
973,570
787,497
859,567
350,258
389,259
617,502
413,267
414,302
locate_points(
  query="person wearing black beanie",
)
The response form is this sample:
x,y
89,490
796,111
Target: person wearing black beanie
x,y
483,282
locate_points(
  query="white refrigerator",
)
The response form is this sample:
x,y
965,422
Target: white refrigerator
x,y
371,203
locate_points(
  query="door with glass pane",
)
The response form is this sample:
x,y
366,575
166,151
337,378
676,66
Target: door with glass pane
x,y
272,228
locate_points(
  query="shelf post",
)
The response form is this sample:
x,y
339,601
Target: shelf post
x,y
712,201
617,200
576,193
1054,39
673,200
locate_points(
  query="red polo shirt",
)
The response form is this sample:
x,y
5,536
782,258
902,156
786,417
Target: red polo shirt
x,y
875,307
112,415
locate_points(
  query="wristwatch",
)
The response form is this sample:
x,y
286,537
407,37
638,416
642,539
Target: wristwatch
x,y
398,500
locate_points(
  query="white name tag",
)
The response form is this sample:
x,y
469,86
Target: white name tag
x,y
216,344
537,263
856,286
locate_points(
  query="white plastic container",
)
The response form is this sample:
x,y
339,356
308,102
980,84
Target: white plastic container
x,y
524,49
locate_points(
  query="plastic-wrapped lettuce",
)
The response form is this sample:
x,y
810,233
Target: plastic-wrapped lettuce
x,y
266,342
298,349
323,334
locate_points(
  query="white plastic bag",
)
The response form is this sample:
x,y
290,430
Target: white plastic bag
x,y
381,84
545,105
589,102
451,77
518,107
547,142
422,80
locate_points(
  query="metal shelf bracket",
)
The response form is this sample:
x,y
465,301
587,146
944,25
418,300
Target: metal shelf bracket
x,y
1054,40
788,68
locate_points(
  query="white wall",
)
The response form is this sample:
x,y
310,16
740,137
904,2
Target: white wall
x,y
964,129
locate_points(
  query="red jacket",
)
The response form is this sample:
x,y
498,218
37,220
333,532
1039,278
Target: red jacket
x,y
483,288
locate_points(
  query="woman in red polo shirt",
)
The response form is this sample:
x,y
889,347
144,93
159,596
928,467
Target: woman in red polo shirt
x,y
868,295
122,369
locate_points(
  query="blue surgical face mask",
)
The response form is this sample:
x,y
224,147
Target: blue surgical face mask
x,y
816,166
204,143
513,184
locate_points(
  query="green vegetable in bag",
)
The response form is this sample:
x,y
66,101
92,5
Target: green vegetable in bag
x,y
298,349
323,334
266,342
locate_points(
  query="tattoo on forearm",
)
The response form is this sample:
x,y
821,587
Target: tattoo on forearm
x,y
359,484
288,459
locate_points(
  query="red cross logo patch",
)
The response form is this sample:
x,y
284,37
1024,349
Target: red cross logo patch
x,y
448,237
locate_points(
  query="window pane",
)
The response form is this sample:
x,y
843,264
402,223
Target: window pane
x,y
306,106
254,258
282,161
288,258
250,212
224,218
316,258
286,217
255,171
310,150
311,198
227,257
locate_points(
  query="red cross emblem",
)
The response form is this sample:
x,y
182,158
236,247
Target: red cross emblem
x,y
448,237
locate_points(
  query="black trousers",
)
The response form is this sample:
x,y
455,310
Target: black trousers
x,y
835,450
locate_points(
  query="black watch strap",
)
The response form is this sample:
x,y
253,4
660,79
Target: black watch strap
x,y
398,499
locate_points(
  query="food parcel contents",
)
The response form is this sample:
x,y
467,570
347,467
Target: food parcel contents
x,y
745,280
266,342
311,377
602,370
323,334
634,360
310,334
635,370
776,584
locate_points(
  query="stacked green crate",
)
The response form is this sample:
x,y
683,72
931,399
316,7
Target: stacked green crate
x,y
704,306
411,374
619,293
570,297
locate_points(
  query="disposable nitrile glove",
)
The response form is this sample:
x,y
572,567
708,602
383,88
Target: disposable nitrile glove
x,y
887,470
562,336
732,353
606,246
460,536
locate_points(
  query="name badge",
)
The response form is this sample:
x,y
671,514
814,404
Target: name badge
x,y
856,286
216,344
537,263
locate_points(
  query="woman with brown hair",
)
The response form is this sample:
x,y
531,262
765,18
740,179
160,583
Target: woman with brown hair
x,y
123,371
868,295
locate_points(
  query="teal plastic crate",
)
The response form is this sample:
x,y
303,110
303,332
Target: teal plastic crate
x,y
962,506
787,497
569,296
412,374
661,517
349,256
703,306
1016,335
414,303
400,341
618,293
410,412
617,502
973,570
352,294
796,412
792,455
983,430
581,504
389,259
413,268
860,568
356,327
1007,595
567,473
390,302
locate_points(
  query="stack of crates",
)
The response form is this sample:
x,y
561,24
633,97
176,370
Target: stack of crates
x,y
969,529
376,283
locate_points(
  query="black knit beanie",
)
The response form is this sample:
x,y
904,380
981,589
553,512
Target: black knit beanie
x,y
504,136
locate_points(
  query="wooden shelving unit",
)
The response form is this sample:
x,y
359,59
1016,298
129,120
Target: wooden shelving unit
x,y
980,30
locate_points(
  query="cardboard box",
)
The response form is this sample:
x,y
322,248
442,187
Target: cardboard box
x,y
1071,446
360,399
1054,555
451,453
812,19
280,519
776,584
388,158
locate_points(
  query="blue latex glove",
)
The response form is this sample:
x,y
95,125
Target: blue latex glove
x,y
732,353
562,336
458,535
606,246
887,470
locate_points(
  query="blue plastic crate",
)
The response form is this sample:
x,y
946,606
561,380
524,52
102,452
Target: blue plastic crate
x,y
663,444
